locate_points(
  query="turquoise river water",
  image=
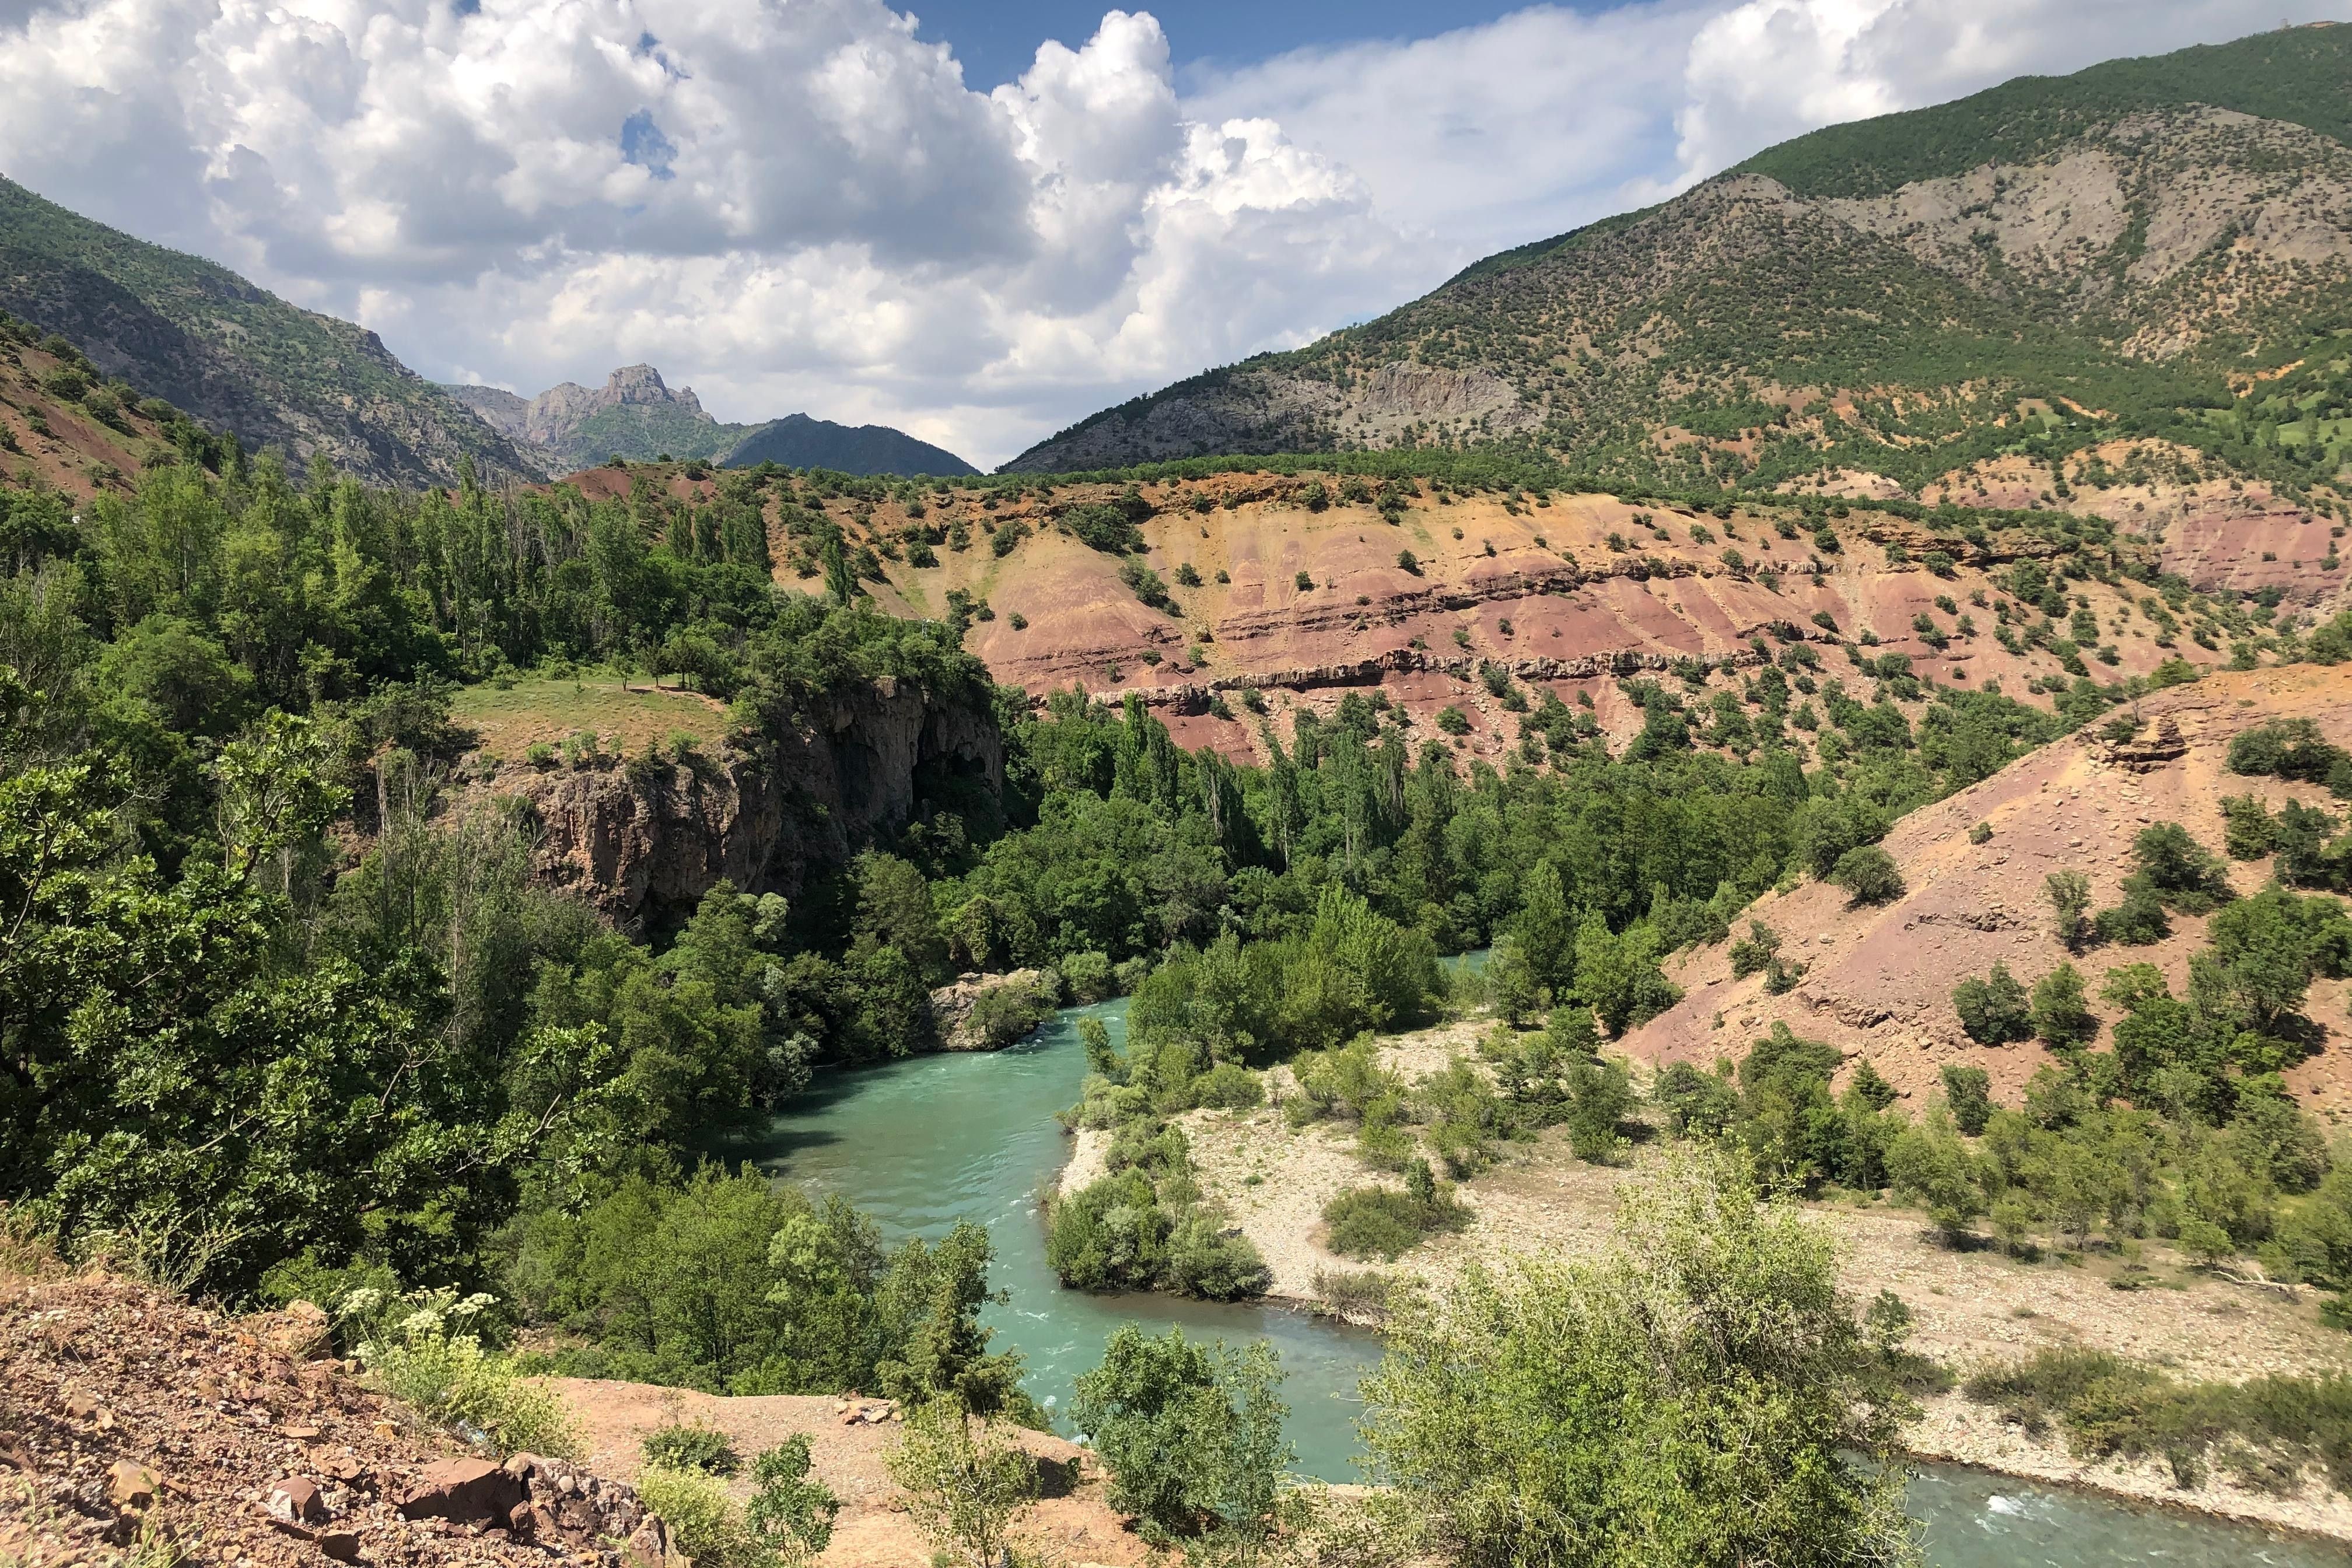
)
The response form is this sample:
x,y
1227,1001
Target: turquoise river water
x,y
923,1144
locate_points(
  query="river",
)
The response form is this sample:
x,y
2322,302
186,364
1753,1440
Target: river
x,y
923,1144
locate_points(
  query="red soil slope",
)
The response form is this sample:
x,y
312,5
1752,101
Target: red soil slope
x,y
1879,981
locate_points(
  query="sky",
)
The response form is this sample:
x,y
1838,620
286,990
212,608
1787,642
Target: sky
x,y
977,220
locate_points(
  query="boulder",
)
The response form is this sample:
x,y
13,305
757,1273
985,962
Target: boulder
x,y
470,1491
651,1546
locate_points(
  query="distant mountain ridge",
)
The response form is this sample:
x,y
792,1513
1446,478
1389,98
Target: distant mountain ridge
x,y
236,356
2156,248
638,415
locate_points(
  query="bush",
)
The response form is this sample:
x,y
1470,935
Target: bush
x,y
1192,1435
1868,875
1968,1092
425,1352
703,1448
1228,1086
1008,1012
791,1514
1381,1222
1697,1103
2062,1016
701,1517
1600,1095
1089,975
1753,953
2136,922
2186,875
2265,1429
1578,1412
1453,720
1993,1011
1357,1294
964,1480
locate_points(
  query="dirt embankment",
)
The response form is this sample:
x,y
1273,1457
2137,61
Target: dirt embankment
x,y
1304,605
128,1419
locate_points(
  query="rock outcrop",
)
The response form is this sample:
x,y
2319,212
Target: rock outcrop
x,y
649,836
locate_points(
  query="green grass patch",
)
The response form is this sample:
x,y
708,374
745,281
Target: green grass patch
x,y
539,709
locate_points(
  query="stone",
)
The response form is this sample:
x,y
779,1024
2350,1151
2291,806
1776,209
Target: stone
x,y
130,1484
342,1545
470,1491
650,1546
296,1500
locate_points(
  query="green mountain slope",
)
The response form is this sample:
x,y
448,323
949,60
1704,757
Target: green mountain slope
x,y
237,357
797,441
2134,250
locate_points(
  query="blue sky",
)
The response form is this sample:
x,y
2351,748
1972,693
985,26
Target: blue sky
x,y
996,40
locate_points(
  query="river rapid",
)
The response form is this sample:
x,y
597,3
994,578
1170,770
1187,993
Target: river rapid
x,y
923,1144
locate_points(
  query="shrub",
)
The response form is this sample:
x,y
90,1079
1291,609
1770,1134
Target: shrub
x,y
1453,720
791,1514
1192,1435
1541,1418
1228,1086
1354,1293
680,1448
2061,1015
1968,1092
2136,922
1303,581
1868,875
1600,1094
1408,562
1753,953
701,1517
427,1352
1208,1259
2248,830
1993,1011
964,1480
1697,1103
2186,875
1005,1012
1367,1222
1089,975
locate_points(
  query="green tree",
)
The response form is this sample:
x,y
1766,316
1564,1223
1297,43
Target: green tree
x,y
1192,1434
1702,1394
1993,1010
2061,1013
1617,975
1868,875
964,1479
2069,894
1968,1091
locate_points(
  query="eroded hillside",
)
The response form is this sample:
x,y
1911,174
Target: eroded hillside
x,y
1877,982
1296,589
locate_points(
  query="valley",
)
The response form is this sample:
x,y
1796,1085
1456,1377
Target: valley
x,y
1679,903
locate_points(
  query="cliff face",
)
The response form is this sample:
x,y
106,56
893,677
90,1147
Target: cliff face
x,y
645,839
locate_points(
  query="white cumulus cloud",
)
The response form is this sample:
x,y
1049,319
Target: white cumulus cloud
x,y
797,204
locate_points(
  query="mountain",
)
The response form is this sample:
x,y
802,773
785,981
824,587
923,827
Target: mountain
x,y
638,415
236,356
635,414
2153,248
797,441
